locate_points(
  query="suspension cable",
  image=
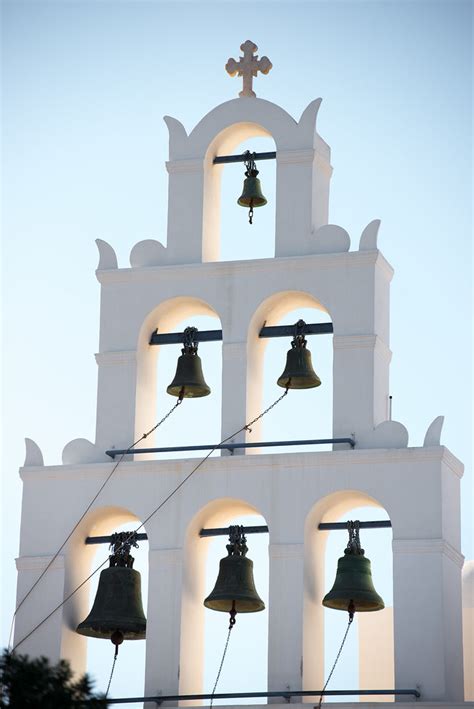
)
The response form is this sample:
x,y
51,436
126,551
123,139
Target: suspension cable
x,y
55,556
245,427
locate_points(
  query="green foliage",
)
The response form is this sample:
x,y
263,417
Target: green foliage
x,y
26,683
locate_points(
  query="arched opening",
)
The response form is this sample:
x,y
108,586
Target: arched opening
x,y
239,239
204,631
367,658
128,677
305,414
197,420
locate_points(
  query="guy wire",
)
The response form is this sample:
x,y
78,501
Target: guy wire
x,y
246,427
55,556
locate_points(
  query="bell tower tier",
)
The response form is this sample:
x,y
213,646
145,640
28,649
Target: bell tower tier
x,y
303,175
352,287
104,484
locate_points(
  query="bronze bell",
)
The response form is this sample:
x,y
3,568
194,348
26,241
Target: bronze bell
x,y
235,591
252,191
117,612
353,589
189,380
299,372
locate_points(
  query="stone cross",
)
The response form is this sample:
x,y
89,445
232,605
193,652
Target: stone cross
x,y
248,66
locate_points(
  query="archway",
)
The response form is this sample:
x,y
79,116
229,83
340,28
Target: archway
x,y
204,631
239,240
128,677
356,666
198,420
266,362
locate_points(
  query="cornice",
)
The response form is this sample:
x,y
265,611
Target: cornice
x,y
428,546
118,357
187,165
38,563
218,269
293,157
287,461
374,342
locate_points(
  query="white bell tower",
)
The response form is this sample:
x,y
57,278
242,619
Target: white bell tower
x,y
314,265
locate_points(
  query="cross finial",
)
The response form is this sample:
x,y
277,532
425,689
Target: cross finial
x,y
248,66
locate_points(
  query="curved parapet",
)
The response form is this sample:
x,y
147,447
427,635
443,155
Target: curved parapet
x,y
433,434
368,239
80,451
388,434
107,256
331,239
33,455
177,133
148,252
249,113
307,122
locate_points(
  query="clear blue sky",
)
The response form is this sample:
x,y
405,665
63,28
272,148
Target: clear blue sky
x,y
85,87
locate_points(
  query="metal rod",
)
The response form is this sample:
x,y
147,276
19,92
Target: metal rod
x,y
230,446
224,159
108,539
285,694
322,328
176,338
379,524
224,531
257,529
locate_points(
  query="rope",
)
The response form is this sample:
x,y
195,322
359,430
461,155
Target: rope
x,y
112,672
351,618
246,427
55,556
221,665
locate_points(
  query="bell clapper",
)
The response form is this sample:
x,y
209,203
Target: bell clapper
x,y
351,610
116,639
232,614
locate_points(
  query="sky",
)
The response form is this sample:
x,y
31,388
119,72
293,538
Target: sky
x,y
85,85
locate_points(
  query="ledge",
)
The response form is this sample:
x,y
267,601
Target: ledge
x,y
287,461
351,259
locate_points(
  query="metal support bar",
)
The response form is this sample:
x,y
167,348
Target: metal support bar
x,y
284,694
108,539
224,531
322,328
258,529
176,338
231,446
362,525
224,159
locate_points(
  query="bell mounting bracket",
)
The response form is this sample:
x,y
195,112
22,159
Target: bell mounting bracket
x,y
120,544
175,338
